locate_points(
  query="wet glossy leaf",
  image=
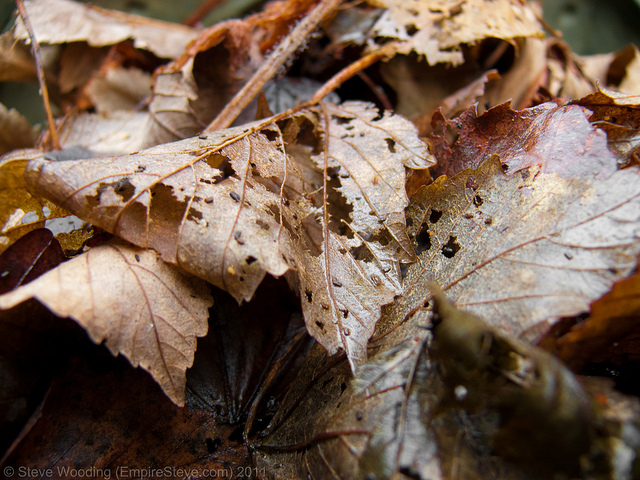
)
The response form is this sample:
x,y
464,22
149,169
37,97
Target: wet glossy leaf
x,y
146,310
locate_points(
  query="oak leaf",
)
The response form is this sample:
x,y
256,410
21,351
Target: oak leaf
x,y
141,307
236,204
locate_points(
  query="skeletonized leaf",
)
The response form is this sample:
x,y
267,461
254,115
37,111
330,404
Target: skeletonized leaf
x,y
145,309
236,204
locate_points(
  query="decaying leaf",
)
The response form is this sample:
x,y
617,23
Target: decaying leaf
x,y
64,21
437,29
532,246
236,204
146,310
465,402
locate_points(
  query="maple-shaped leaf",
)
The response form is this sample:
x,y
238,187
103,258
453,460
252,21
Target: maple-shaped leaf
x,y
321,192
126,296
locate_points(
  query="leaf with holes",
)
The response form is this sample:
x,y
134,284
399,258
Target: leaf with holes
x,y
145,309
237,204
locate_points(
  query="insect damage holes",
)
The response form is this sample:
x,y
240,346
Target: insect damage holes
x,y
450,248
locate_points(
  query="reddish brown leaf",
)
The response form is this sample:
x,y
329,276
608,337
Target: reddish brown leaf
x,y
548,135
31,256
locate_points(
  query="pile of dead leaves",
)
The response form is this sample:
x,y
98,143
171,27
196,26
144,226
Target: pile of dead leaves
x,y
324,166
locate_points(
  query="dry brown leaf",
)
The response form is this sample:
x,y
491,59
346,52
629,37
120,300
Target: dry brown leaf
x,y
119,89
15,131
618,114
143,308
613,318
64,21
216,206
16,62
436,29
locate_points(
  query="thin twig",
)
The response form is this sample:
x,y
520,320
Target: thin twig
x,y
351,70
35,48
268,69
202,11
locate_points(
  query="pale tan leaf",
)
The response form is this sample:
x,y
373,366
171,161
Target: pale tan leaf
x,y
119,89
16,62
236,204
64,21
15,131
532,246
436,29
141,307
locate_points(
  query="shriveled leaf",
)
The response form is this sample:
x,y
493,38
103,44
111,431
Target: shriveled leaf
x,y
145,309
437,29
216,205
614,318
548,135
20,212
64,21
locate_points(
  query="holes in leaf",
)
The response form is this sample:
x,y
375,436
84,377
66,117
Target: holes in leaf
x,y
451,247
435,216
235,196
309,295
194,215
341,120
236,435
262,225
213,444
391,144
326,382
345,312
477,200
250,259
122,187
409,222
423,240
343,387
320,325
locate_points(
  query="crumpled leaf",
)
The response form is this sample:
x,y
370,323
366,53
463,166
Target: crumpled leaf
x,y
64,21
216,206
143,308
437,29
16,62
